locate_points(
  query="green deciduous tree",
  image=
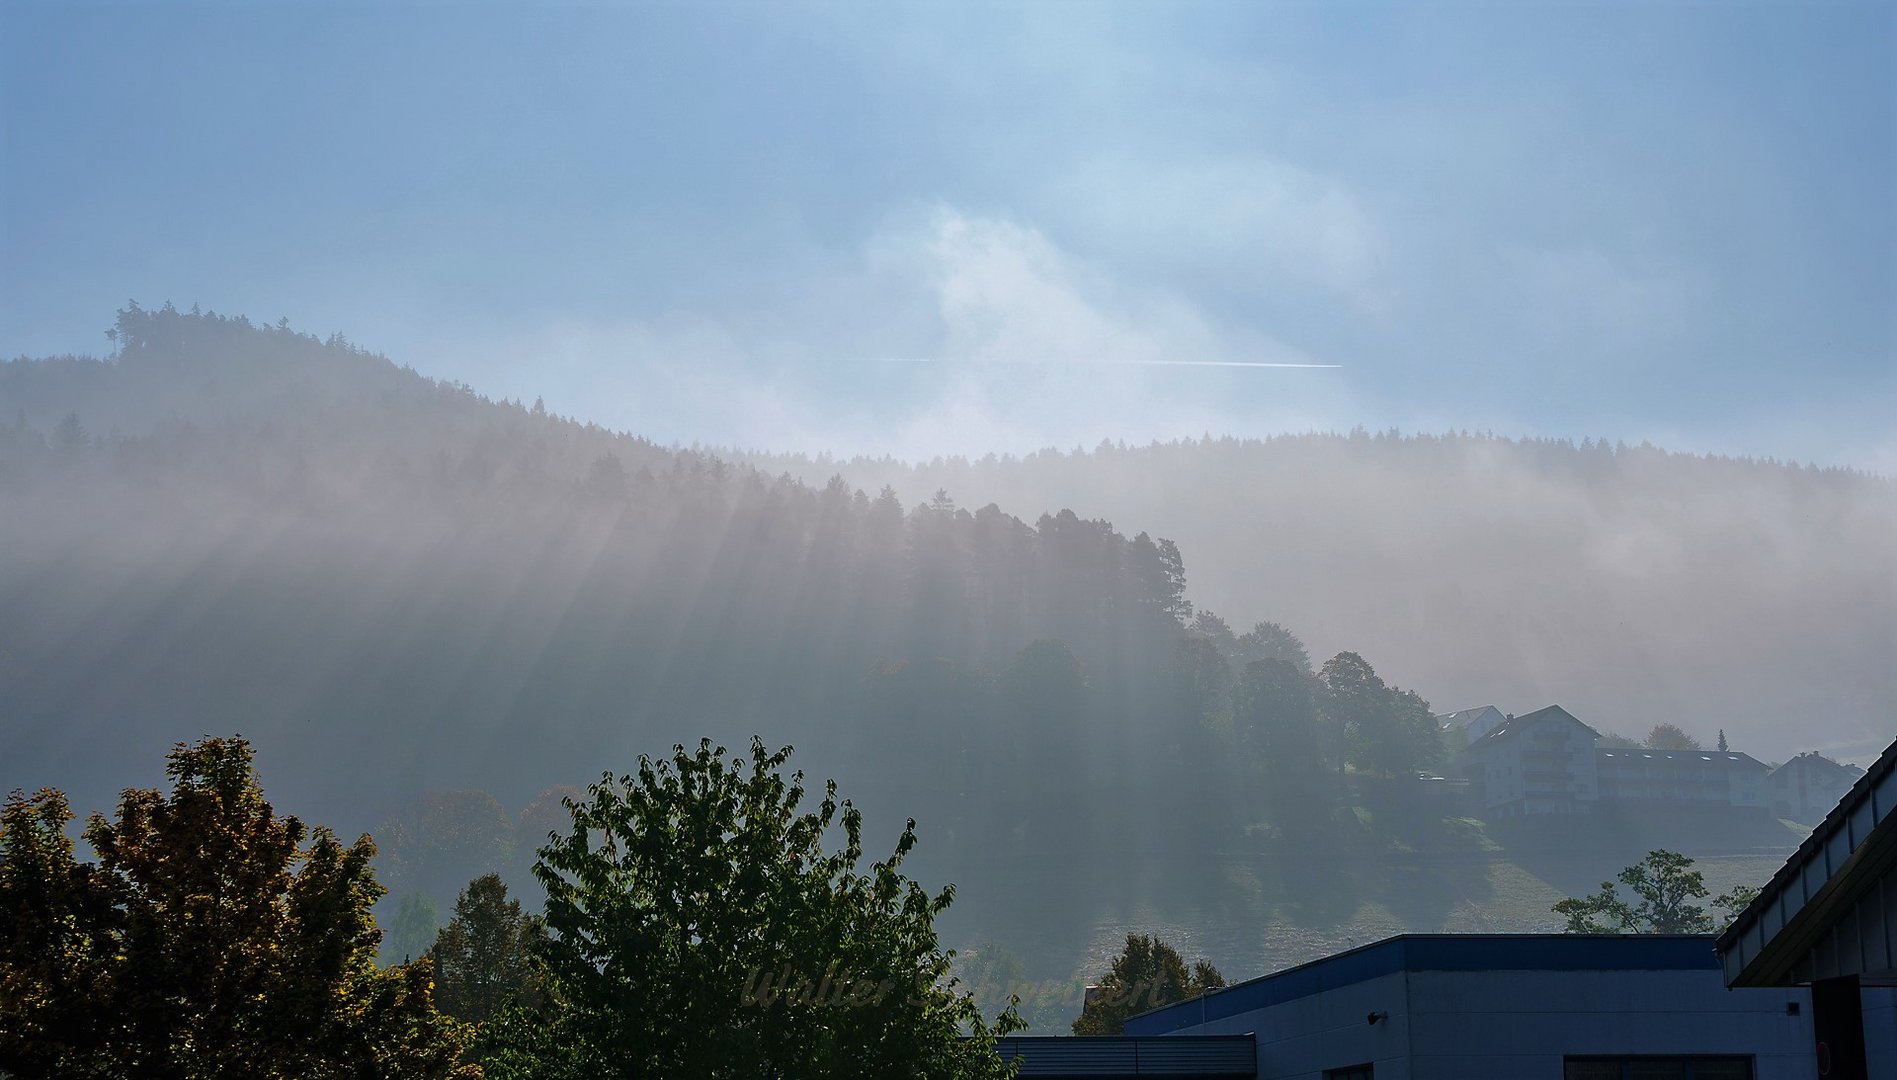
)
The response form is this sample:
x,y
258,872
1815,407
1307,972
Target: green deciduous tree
x,y
1195,763
1275,713
1213,628
1269,641
1665,736
697,927
1386,730
484,956
211,939
1148,973
1666,894
443,838
1354,699
56,955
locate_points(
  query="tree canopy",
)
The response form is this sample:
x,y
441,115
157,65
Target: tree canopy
x,y
1148,973
211,939
1385,730
696,926
1666,894
1670,736
484,957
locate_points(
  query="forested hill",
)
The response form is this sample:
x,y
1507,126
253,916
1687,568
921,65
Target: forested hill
x,y
391,584
428,610
1629,584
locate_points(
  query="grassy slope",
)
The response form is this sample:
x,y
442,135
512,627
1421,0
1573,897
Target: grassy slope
x,y
1260,907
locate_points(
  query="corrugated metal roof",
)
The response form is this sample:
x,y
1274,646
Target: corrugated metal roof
x,y
1198,1057
1776,930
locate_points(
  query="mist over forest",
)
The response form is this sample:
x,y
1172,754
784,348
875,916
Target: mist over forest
x,y
1630,584
811,540
1173,686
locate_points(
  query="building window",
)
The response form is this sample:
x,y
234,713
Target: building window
x,y
1352,1072
1657,1068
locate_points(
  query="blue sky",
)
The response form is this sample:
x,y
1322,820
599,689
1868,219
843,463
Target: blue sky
x,y
1670,222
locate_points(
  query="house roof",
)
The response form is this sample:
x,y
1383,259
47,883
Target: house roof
x,y
1517,724
1713,758
1815,759
1462,718
1437,952
1798,913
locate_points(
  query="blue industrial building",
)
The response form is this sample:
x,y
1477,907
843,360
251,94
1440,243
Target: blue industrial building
x,y
1194,1057
1507,1007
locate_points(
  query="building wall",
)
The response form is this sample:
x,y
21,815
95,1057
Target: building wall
x,y
1748,787
1300,1039
1808,786
1499,769
1486,721
1684,777
1547,769
1518,1025
1880,1031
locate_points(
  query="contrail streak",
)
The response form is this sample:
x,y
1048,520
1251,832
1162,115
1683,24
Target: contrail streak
x,y
1118,363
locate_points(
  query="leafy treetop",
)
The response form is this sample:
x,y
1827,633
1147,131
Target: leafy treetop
x,y
1148,973
697,927
1666,890
211,939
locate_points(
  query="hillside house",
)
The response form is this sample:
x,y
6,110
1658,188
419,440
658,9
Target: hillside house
x,y
1680,777
1539,763
1548,762
1465,726
1809,785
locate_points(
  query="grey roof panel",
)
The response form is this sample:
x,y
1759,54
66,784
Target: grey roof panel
x,y
1795,930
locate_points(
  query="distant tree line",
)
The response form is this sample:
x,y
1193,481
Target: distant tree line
x,y
395,580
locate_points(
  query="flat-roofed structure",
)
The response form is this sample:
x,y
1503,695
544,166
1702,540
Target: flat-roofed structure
x,y
1508,1007
1719,778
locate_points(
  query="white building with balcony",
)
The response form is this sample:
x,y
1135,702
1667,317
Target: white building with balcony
x,y
1542,762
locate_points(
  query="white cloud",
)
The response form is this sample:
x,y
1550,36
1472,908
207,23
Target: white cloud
x,y
1006,294
1033,345
1257,218
1063,339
